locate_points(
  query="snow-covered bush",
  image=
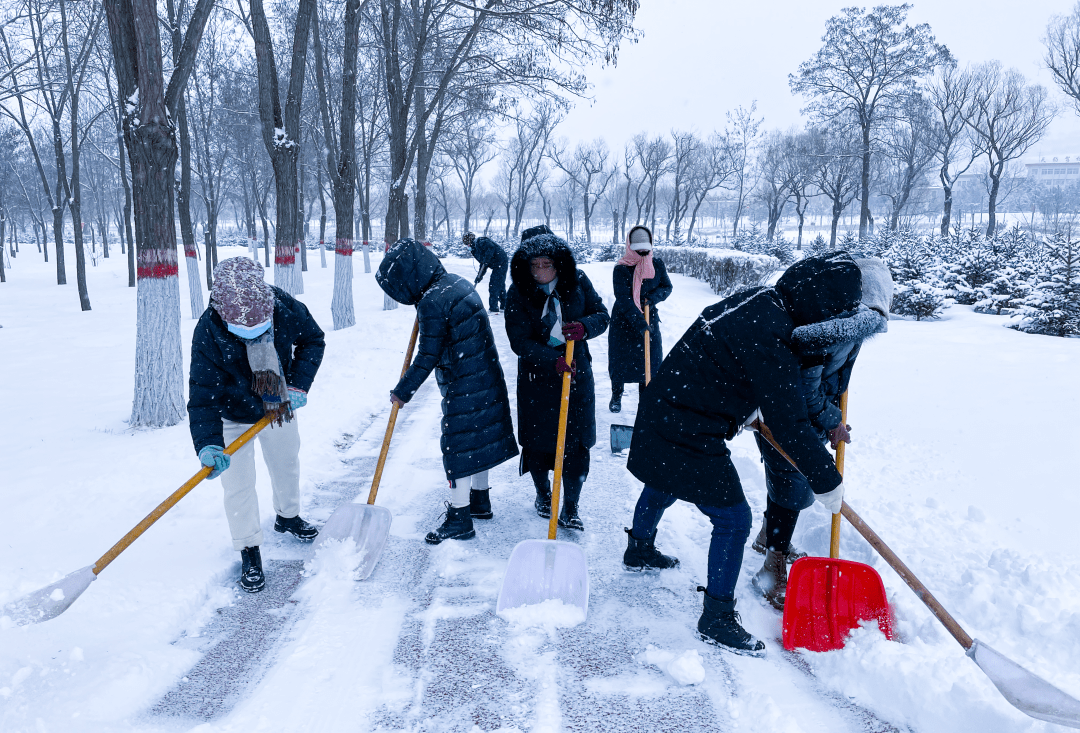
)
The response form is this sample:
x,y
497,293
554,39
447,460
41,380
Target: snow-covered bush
x,y
1004,294
609,252
725,270
919,298
1052,306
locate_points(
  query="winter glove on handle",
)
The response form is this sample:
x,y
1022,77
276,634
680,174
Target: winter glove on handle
x,y
215,457
832,500
574,331
297,398
561,366
840,433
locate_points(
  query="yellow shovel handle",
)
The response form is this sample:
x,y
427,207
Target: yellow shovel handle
x,y
648,370
560,445
393,418
834,537
176,496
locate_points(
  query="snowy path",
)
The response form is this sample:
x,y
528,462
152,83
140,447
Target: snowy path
x,y
445,662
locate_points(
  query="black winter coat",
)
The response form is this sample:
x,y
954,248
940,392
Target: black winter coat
x,y
219,383
455,341
626,342
539,386
738,356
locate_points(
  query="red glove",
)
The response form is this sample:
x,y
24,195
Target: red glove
x,y
839,433
561,366
574,331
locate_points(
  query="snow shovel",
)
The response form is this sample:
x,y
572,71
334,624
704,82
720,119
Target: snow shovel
x,y
828,597
621,434
369,525
545,570
1027,692
55,598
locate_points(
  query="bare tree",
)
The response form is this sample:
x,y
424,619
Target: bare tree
x,y
1062,57
1009,116
687,148
774,177
868,64
908,148
742,133
956,147
468,152
588,169
836,174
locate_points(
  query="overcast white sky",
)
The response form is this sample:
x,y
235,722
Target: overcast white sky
x,y
701,58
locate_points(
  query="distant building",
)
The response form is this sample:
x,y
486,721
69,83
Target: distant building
x,y
1054,170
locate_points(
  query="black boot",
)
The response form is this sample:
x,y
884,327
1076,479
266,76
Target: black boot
x,y
641,554
456,526
543,499
616,399
480,504
251,572
719,624
297,527
568,517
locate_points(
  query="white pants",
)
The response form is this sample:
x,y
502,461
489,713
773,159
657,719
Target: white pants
x,y
460,488
281,450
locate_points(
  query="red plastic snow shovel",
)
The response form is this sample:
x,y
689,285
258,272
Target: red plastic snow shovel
x,y
544,570
828,597
621,434
369,525
55,598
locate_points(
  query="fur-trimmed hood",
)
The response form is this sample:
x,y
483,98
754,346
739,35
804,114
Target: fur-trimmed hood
x,y
544,245
877,285
818,337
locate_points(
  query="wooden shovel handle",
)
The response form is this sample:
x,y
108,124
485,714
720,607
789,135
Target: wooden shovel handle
x,y
176,496
648,370
887,555
834,534
560,444
393,418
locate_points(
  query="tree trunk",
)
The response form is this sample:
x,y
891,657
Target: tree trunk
x,y
991,209
864,211
946,211
187,231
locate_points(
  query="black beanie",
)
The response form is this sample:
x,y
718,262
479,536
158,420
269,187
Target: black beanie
x,y
821,288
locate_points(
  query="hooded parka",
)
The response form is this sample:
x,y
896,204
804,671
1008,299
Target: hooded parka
x,y
539,385
456,341
626,341
737,357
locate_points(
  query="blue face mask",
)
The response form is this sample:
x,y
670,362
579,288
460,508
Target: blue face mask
x,y
249,332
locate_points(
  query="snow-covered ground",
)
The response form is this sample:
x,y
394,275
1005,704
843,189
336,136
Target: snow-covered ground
x,y
964,437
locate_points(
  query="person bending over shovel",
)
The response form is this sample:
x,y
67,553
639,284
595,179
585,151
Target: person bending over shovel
x,y
455,341
490,255
827,351
550,301
735,362
639,279
255,350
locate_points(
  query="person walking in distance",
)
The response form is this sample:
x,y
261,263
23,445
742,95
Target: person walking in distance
x,y
489,254
255,350
550,302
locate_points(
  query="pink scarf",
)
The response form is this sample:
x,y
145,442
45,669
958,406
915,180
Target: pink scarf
x,y
643,270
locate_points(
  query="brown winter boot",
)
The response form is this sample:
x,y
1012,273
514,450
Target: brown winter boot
x,y
760,546
771,580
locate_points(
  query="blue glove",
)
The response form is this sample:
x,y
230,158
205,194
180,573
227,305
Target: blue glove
x,y
297,398
215,457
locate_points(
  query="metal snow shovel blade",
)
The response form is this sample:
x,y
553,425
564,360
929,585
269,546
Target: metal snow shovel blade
x,y
828,597
544,570
622,434
55,598
369,525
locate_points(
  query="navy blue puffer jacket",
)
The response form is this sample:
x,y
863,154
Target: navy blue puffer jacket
x,y
456,342
219,383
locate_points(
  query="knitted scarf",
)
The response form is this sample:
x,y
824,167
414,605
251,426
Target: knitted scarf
x,y
267,379
643,270
551,316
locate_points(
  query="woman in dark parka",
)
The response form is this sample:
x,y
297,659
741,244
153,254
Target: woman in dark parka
x,y
456,342
550,301
639,279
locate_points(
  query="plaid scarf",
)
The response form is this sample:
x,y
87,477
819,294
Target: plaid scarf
x,y
268,380
551,316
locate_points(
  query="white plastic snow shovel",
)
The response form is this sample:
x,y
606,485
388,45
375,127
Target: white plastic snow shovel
x,y
1027,692
368,525
55,598
622,434
546,570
